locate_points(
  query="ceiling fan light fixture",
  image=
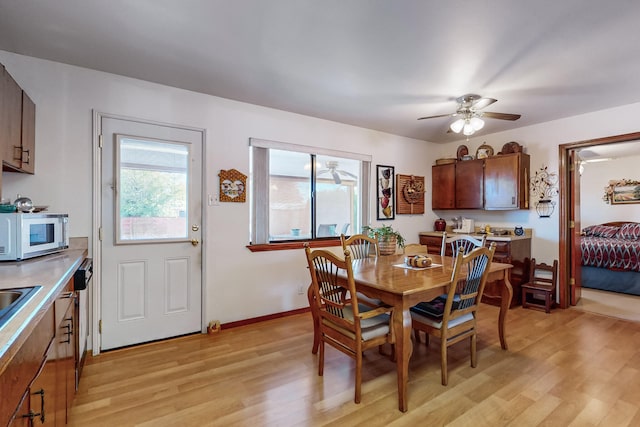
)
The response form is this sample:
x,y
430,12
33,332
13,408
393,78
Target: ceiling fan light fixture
x,y
457,125
477,123
468,128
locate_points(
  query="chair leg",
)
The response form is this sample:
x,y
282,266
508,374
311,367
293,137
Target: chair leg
x,y
443,360
416,334
547,302
474,357
315,319
321,358
358,376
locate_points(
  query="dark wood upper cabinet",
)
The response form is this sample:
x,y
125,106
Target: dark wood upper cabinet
x,y
17,126
469,184
443,186
506,182
498,182
28,140
11,144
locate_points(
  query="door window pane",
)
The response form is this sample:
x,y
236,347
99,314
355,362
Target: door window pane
x,y
151,201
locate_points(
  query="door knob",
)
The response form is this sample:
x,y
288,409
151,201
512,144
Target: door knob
x,y
195,242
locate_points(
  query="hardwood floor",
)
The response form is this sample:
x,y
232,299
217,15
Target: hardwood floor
x,y
567,368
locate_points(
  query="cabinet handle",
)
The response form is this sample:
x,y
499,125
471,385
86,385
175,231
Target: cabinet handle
x,y
28,156
31,415
66,295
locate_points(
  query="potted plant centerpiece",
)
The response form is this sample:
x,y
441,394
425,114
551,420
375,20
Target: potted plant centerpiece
x,y
387,237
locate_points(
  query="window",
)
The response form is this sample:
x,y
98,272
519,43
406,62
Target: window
x,y
302,193
152,197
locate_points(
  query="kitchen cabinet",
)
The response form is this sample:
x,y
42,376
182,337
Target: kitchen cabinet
x,y
17,130
23,369
515,252
443,186
506,182
66,353
45,367
469,184
498,182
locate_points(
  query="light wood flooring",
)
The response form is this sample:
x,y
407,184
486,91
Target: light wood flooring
x,y
567,368
612,304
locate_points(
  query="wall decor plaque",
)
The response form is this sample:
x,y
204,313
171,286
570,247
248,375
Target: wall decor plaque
x,y
410,195
233,186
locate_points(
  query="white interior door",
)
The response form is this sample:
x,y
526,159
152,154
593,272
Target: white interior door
x,y
151,275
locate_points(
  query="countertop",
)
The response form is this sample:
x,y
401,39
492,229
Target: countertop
x,y
52,272
490,237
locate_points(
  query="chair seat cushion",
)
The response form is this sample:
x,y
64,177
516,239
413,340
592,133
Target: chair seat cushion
x,y
436,323
435,307
372,327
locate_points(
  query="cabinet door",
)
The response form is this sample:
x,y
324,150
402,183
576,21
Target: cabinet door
x,y
43,392
469,184
443,186
28,140
11,145
506,181
65,343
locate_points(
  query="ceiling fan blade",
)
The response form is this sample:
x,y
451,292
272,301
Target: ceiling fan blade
x,y
336,177
433,117
346,173
501,116
482,103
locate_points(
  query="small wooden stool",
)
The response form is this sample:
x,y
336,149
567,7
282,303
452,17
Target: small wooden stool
x,y
540,290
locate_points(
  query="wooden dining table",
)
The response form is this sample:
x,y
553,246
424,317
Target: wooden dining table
x,y
387,279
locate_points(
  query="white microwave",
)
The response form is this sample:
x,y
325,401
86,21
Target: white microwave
x,y
27,235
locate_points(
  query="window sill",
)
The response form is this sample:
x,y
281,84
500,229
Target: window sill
x,y
293,245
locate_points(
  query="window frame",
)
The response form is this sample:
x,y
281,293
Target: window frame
x,y
259,196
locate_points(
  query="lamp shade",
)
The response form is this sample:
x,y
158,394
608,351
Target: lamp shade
x,y
457,125
477,123
468,128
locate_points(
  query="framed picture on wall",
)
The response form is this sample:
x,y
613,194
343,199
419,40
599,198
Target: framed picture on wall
x,y
385,179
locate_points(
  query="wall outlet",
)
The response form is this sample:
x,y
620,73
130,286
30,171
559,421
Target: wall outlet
x,y
301,290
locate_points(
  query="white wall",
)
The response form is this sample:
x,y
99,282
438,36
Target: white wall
x,y
241,284
594,179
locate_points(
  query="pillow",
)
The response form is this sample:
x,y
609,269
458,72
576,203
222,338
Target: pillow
x,y
630,231
601,230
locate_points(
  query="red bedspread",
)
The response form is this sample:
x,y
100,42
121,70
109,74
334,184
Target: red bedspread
x,y
611,252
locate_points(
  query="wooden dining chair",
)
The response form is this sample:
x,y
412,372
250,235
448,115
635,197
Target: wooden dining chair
x,y
540,290
452,318
464,241
416,249
345,324
360,245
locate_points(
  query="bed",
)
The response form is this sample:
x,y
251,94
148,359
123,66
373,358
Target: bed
x,y
611,257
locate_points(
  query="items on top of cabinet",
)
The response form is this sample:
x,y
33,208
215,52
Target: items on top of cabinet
x,y
484,151
462,151
510,148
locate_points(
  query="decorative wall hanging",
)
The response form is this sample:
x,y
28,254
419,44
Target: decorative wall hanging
x,y
622,192
410,195
384,195
233,186
544,187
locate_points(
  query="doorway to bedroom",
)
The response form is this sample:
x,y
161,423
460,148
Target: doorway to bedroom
x,y
586,168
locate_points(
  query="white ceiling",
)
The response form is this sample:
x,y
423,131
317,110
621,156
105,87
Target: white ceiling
x,y
379,64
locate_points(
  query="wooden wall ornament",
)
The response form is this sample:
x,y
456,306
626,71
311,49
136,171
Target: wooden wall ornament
x,y
233,185
410,197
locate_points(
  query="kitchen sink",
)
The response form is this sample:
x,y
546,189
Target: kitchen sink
x,y
12,300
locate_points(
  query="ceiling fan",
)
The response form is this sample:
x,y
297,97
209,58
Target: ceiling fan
x,y
332,168
469,118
